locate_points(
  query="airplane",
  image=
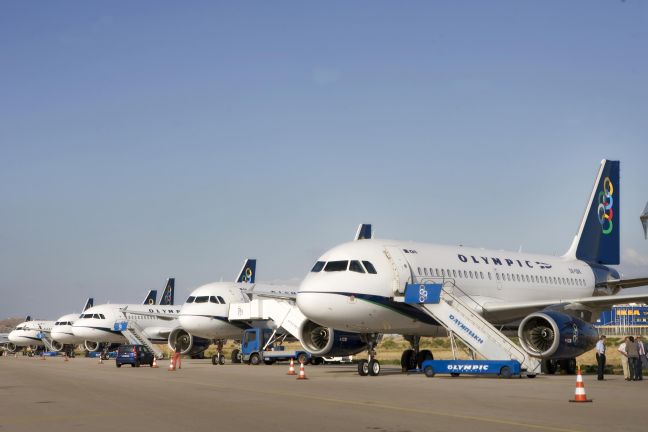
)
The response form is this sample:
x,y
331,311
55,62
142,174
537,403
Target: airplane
x,y
551,300
205,312
96,326
62,336
28,333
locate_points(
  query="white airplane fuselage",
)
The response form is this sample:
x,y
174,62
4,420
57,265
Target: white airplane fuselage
x,y
62,330
363,302
205,313
27,333
96,324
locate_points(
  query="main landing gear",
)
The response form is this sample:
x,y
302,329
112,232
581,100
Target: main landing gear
x,y
371,366
413,358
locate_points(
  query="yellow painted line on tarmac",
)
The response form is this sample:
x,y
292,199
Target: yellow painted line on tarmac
x,y
398,408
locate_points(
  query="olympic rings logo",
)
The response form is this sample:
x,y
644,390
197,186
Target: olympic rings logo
x,y
605,211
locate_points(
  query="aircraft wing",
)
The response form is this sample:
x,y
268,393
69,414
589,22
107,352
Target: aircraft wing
x,y
627,283
506,312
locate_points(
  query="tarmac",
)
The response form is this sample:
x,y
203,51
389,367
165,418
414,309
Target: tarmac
x,y
82,395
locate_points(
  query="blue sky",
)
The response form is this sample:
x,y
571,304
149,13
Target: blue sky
x,y
142,140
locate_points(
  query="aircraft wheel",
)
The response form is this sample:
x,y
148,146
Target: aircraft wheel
x,y
236,355
406,360
374,368
221,359
422,356
214,359
363,368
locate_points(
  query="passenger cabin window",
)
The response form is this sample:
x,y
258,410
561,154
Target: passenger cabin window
x,y
191,299
335,266
370,268
319,265
202,299
355,266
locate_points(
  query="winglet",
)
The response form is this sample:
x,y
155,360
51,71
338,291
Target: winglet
x,y
364,232
169,293
597,240
89,303
248,271
151,298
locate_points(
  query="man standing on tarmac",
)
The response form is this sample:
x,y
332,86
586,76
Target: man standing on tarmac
x,y
600,357
642,356
632,350
624,359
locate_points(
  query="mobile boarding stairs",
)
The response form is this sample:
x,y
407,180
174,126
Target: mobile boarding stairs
x,y
458,313
133,332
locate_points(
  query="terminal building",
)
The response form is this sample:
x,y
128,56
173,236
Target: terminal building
x,y
624,320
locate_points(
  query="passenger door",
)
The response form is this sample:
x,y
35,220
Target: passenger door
x,y
401,269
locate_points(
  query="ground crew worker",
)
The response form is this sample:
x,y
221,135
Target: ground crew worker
x,y
624,359
600,357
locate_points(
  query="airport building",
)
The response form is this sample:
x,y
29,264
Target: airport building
x,y
624,320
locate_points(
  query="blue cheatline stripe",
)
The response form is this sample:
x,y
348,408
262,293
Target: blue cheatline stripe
x,y
386,302
106,329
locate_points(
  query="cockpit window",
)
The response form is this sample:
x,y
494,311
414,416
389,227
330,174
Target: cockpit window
x,y
335,266
370,268
20,327
213,299
191,299
319,265
202,299
355,266
221,299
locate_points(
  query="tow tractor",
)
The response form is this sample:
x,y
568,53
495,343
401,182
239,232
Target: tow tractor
x,y
265,345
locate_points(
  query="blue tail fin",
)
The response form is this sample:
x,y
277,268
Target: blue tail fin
x,y
598,239
89,304
364,232
248,272
168,295
28,318
151,298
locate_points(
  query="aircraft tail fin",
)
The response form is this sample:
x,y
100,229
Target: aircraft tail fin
x,y
364,232
248,271
151,298
598,237
89,303
168,295
28,318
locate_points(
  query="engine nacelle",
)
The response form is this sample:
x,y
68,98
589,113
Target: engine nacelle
x,y
326,342
11,347
57,346
555,335
91,346
188,344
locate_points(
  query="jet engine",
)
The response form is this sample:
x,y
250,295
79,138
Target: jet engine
x,y
186,342
57,346
11,347
91,346
327,342
556,335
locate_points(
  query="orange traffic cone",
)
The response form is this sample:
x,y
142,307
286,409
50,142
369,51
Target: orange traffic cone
x,y
579,395
302,374
154,365
171,365
291,369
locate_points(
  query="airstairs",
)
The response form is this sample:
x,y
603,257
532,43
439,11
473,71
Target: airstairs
x,y
284,312
134,334
460,315
49,346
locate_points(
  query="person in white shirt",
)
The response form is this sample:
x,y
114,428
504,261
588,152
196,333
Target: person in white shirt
x,y
600,357
624,359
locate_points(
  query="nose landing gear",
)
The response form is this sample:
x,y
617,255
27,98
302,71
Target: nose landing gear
x,y
371,366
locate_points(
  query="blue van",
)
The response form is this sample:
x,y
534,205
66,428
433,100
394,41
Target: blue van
x,y
135,355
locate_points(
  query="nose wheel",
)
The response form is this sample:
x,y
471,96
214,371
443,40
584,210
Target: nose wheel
x,y
371,366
